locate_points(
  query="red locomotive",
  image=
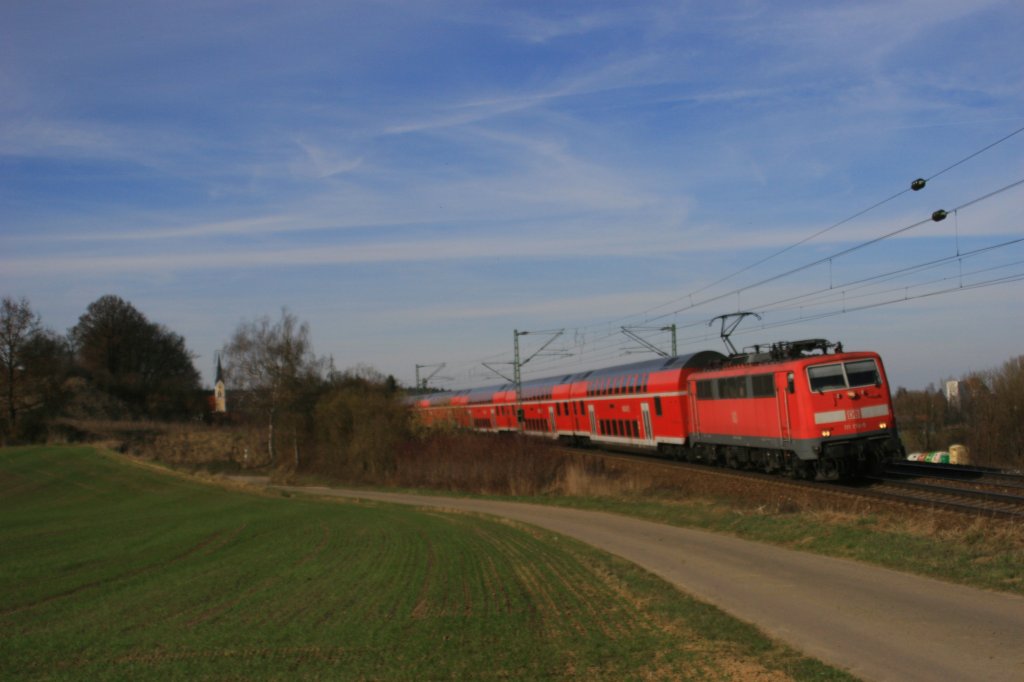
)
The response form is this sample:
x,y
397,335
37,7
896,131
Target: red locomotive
x,y
803,408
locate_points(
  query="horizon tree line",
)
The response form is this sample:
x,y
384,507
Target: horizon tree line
x,y
116,364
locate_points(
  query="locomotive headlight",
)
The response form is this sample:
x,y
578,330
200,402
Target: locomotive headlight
x,y
883,425
825,433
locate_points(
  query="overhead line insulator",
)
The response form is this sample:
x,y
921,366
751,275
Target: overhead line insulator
x,y
918,184
939,215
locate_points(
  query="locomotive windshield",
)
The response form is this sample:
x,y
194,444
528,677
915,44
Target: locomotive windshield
x,y
842,375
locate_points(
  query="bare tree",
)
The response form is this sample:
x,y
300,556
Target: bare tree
x,y
18,325
272,367
996,414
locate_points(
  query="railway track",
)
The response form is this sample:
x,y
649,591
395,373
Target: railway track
x,y
984,491
958,498
989,495
953,473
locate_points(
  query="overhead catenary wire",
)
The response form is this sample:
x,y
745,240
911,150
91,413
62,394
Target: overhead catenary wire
x,y
836,255
914,186
603,349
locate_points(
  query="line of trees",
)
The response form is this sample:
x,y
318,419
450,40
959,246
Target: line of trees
x,y
116,364
113,364
987,416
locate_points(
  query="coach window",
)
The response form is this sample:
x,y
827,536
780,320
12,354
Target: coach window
x,y
657,405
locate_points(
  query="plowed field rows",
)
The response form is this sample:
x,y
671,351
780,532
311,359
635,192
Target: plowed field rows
x,y
112,571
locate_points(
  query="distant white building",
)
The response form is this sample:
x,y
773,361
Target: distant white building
x,y
953,393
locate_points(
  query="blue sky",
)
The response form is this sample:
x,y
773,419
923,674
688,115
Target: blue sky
x,y
417,179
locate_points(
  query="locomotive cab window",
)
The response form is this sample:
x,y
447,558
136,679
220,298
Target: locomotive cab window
x,y
840,375
863,373
826,377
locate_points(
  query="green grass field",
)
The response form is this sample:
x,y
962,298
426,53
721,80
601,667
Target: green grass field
x,y
114,571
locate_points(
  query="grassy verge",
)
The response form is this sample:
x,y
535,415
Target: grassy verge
x,y
116,572
978,552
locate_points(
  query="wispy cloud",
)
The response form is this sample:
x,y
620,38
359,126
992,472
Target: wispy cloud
x,y
408,151
322,162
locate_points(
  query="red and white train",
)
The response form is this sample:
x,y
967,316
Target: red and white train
x,y
806,408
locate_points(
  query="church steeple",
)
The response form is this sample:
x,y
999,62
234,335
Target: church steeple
x,y
220,402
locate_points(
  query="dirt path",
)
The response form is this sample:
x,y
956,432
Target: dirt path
x,y
876,623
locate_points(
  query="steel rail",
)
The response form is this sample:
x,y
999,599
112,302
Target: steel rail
x,y
942,498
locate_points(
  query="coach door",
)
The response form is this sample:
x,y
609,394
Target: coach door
x,y
784,389
593,420
551,418
645,410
